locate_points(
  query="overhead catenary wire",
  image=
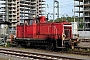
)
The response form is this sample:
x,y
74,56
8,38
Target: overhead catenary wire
x,y
62,5
49,5
65,1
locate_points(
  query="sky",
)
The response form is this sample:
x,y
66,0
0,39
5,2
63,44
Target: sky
x,y
65,6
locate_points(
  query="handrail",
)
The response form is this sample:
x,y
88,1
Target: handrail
x,y
55,30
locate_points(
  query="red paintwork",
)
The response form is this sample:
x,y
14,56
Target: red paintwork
x,y
42,19
42,30
20,31
28,31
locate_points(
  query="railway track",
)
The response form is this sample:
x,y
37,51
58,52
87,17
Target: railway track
x,y
85,40
85,51
34,56
77,52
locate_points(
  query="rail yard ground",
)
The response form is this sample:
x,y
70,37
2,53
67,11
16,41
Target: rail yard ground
x,y
3,59
47,52
83,44
8,57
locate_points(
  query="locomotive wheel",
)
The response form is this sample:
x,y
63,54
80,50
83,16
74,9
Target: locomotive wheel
x,y
28,44
67,45
50,46
19,45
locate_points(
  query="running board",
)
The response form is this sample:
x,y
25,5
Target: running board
x,y
61,47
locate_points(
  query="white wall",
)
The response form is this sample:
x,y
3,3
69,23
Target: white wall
x,y
84,34
74,28
2,31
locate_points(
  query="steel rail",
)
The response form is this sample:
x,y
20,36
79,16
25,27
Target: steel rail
x,y
33,55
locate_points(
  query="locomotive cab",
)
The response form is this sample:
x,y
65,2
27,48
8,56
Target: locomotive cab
x,y
67,38
68,31
65,34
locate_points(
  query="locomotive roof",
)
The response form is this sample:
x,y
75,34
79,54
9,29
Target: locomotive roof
x,y
65,22
35,18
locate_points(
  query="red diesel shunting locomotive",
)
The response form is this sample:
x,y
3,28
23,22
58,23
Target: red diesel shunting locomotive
x,y
39,32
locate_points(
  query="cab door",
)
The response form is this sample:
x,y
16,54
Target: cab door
x,y
68,31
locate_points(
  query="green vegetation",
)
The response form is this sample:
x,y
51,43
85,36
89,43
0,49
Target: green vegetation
x,y
8,44
69,19
81,25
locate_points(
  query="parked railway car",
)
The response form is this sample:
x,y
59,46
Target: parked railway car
x,y
39,32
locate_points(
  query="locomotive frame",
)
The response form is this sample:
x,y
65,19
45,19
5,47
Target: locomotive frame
x,y
39,32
